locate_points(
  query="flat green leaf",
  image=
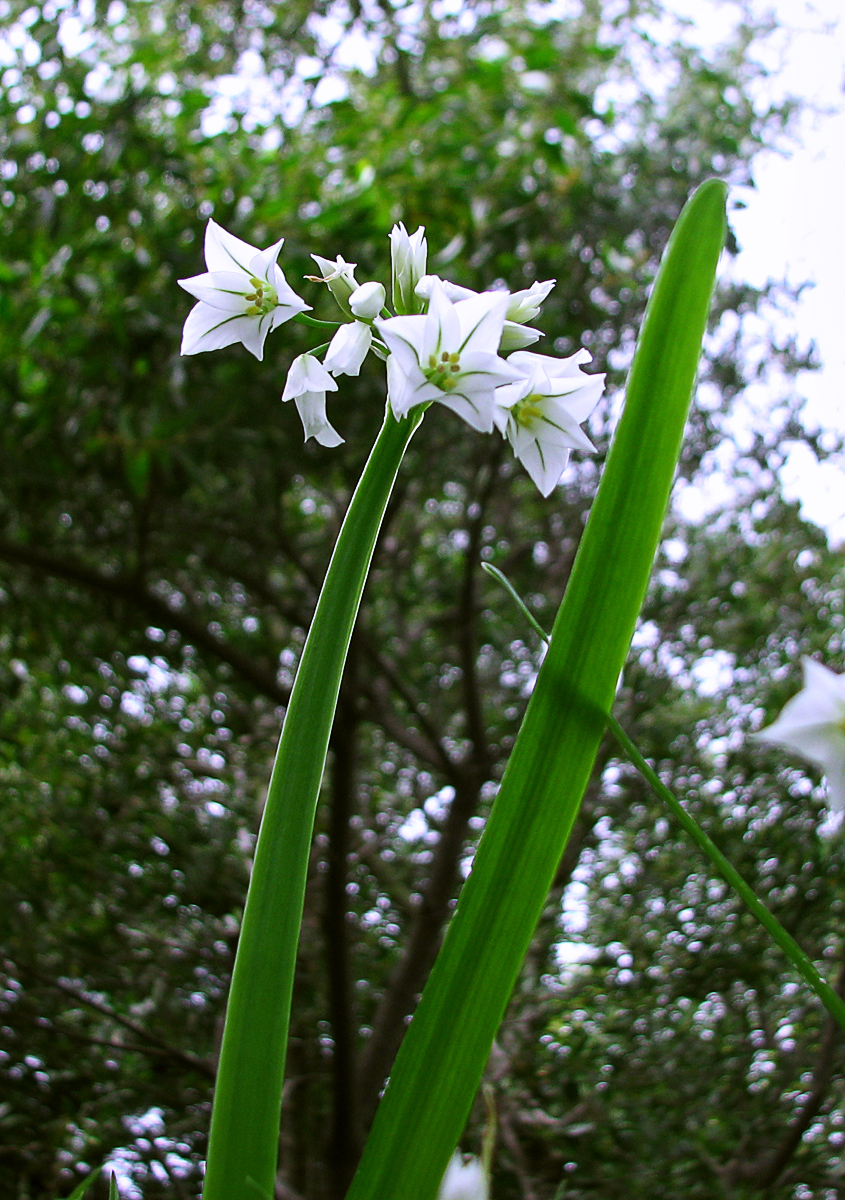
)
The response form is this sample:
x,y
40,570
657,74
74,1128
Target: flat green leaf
x,y
442,1058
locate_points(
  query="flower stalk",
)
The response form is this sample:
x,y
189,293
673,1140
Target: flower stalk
x,y
244,1136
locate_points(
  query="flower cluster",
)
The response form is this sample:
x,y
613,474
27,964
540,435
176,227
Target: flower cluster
x,y
443,344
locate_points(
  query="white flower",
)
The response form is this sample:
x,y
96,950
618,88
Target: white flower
x,y
813,724
242,295
541,413
464,1180
408,255
367,301
522,306
339,277
449,354
307,384
348,348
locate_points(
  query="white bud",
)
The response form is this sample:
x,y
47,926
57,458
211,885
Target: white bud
x,y
525,305
408,255
348,348
367,301
464,1181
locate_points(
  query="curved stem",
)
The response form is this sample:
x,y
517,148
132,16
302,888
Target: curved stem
x,y
243,1144
802,963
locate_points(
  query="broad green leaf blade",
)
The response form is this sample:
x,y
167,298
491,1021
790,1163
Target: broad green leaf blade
x,y
243,1144
440,1064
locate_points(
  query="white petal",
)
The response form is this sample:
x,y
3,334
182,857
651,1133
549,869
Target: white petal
x,y
402,332
348,349
367,301
311,407
553,367
525,305
289,303
463,1181
821,679
307,374
514,337
477,409
835,776
442,328
254,333
223,250
262,262
224,290
544,463
400,393
582,399
335,270
208,328
481,320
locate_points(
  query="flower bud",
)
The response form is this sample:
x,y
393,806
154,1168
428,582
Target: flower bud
x,y
348,348
339,277
464,1181
367,301
525,305
408,254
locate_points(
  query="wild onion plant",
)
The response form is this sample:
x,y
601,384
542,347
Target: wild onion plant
x,y
447,347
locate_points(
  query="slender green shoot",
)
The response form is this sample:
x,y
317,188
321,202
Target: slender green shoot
x,y
802,963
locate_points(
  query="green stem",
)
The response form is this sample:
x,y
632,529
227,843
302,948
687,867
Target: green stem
x,y
244,1138
788,945
304,319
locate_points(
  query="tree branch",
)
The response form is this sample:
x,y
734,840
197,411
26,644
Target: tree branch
x,y
420,950
132,591
184,1056
765,1172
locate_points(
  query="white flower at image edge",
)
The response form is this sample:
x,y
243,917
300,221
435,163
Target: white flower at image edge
x,y
540,414
242,296
307,384
813,725
449,355
464,1181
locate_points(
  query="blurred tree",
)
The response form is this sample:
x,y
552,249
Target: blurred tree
x,y
164,534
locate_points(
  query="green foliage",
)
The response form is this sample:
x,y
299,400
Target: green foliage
x,y
163,535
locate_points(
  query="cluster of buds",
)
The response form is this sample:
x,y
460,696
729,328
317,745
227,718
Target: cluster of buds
x,y
442,344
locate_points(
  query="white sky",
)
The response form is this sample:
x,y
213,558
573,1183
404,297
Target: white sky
x,y
794,229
